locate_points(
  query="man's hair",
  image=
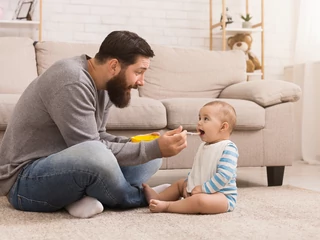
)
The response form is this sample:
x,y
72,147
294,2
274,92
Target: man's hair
x,y
125,46
227,113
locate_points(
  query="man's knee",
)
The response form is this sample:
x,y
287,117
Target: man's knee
x,y
91,146
156,164
93,155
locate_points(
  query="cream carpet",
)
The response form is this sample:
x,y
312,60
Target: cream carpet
x,y
262,213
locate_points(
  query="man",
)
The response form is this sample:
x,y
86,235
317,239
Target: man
x,y
56,152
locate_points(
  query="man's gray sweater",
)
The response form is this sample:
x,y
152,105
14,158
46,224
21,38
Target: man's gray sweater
x,y
59,109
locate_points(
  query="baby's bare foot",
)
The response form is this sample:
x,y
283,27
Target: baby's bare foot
x,y
149,192
158,206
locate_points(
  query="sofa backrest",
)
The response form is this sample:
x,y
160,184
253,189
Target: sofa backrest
x,y
18,64
180,72
49,52
174,72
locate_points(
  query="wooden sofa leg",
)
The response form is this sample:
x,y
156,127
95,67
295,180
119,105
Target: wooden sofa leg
x,y
275,175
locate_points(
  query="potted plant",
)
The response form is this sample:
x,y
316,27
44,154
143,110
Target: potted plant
x,y
246,23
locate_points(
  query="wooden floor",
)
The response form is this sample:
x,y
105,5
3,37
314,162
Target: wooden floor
x,y
300,174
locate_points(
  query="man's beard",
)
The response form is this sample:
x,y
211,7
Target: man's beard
x,y
118,90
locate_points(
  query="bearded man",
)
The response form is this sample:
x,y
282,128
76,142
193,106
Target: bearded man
x,y
56,152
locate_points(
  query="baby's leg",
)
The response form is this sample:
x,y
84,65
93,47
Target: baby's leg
x,y
161,188
172,193
149,192
198,203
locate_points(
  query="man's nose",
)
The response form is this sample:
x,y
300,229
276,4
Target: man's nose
x,y
140,81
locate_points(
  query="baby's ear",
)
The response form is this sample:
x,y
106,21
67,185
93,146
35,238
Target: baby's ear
x,y
224,126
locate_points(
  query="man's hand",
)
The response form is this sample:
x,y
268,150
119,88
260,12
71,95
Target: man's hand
x,y
196,190
172,142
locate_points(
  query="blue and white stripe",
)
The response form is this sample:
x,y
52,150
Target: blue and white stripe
x,y
224,180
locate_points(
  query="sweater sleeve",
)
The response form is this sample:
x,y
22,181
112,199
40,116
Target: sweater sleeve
x,y
112,138
226,170
73,111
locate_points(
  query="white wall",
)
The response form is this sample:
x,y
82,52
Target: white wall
x,y
183,23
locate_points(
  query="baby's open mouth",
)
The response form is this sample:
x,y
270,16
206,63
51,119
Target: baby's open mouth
x,y
201,132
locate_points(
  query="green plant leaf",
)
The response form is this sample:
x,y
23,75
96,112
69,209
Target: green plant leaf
x,y
246,17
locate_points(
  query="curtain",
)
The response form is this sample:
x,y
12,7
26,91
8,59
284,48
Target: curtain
x,y
306,73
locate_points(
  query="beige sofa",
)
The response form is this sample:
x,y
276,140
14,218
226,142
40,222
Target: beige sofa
x,y
177,84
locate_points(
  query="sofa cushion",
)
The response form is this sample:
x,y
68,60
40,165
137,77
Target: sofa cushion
x,y
195,73
50,52
142,113
7,104
18,64
265,93
185,112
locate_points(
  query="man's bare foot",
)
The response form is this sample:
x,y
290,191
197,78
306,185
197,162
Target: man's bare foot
x,y
149,192
158,206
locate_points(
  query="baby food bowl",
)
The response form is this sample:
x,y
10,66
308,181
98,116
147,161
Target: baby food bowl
x,y
146,137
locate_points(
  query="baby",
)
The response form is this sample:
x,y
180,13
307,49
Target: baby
x,y
210,187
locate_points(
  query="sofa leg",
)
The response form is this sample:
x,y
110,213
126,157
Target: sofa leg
x,y
275,175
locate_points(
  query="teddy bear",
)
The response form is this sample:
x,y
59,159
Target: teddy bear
x,y
243,41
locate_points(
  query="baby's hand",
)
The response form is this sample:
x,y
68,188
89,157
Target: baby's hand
x,y
196,190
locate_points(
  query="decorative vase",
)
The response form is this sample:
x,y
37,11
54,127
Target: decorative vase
x,y
246,25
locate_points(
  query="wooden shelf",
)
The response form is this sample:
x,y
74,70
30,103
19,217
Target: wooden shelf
x,y
26,23
254,74
18,23
229,31
233,31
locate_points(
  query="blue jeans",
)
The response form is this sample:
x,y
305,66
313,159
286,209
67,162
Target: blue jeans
x,y
49,184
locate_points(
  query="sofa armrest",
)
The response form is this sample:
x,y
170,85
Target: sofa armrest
x,y
263,92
